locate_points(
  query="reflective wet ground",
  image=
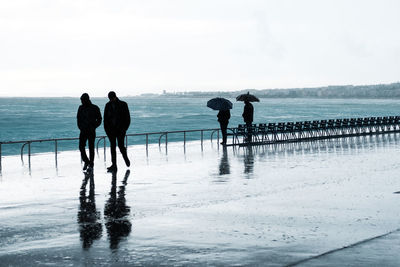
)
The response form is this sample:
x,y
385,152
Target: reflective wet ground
x,y
321,203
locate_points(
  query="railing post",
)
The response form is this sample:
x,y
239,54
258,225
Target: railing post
x,y
201,137
159,139
0,160
56,151
184,138
147,145
104,149
22,153
166,140
29,155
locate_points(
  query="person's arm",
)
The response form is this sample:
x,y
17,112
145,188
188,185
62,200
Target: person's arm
x,y
127,117
98,117
105,121
78,118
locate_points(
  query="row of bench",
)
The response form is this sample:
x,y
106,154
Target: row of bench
x,y
316,129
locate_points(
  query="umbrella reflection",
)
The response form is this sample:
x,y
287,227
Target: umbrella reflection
x,y
224,167
88,217
249,160
116,212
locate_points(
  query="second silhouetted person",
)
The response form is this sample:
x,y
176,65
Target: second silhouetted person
x,y
223,118
247,115
88,118
116,122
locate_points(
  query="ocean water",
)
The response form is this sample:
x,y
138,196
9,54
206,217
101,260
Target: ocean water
x,y
47,118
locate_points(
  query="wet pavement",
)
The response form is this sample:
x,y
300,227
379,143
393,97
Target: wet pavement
x,y
325,203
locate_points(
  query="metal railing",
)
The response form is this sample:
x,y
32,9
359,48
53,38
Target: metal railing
x,y
263,133
284,132
164,134
27,143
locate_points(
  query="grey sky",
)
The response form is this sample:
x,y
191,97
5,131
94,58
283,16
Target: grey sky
x,y
65,47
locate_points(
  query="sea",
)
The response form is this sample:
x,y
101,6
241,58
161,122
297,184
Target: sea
x,y
49,118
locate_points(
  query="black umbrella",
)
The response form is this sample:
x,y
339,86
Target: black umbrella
x,y
247,97
219,103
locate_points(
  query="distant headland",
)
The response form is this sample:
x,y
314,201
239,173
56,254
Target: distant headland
x,y
383,91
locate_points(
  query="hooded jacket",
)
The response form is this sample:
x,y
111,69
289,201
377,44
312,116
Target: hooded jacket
x,y
116,117
88,117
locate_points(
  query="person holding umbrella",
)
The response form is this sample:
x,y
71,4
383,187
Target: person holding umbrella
x,y
223,119
248,111
223,105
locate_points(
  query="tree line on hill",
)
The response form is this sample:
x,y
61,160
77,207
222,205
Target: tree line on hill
x,y
345,91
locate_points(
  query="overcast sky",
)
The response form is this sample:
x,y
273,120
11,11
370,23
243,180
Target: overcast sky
x,y
66,47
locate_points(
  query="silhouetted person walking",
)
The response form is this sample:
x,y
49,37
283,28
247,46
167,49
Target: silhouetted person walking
x,y
223,118
116,122
88,118
247,115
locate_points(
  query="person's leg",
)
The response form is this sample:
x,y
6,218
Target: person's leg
x,y
113,145
82,144
225,134
249,135
122,148
91,139
224,127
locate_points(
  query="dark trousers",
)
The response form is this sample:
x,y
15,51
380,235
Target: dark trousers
x,y
120,137
249,131
224,127
90,137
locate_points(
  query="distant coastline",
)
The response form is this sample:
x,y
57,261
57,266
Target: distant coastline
x,y
383,91
375,91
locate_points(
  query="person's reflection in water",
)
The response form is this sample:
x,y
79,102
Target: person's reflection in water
x,y
224,167
116,212
88,217
249,160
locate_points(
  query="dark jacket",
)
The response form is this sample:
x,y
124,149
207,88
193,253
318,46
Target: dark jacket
x,y
88,117
248,113
224,116
116,117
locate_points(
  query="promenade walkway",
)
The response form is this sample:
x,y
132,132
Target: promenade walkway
x,y
323,203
